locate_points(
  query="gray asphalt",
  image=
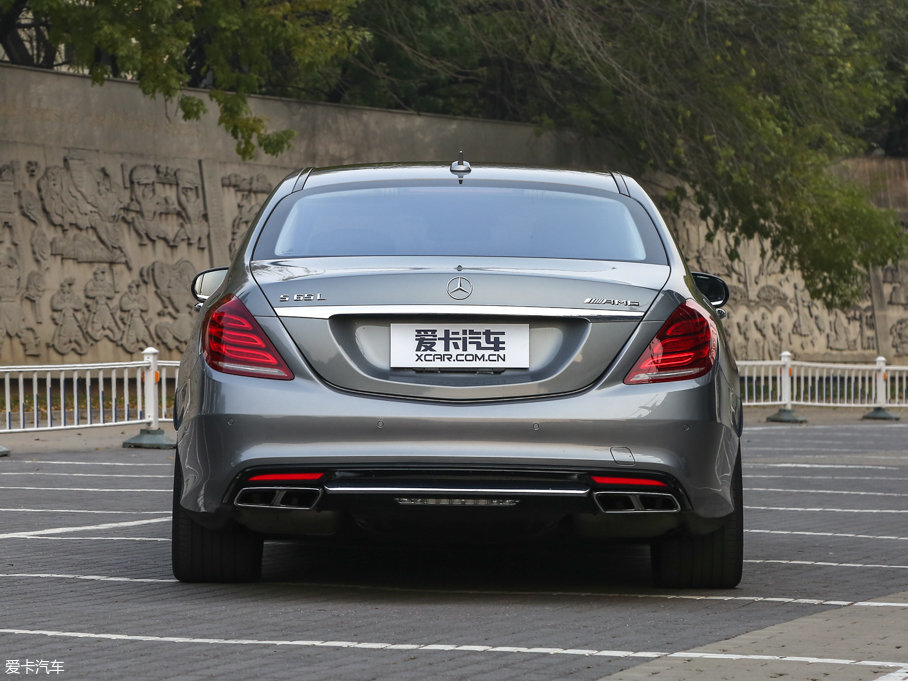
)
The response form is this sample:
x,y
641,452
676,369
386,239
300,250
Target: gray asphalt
x,y
86,589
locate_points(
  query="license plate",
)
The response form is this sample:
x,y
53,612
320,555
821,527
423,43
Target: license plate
x,y
460,346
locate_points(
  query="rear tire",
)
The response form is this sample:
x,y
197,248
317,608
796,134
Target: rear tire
x,y
200,554
711,561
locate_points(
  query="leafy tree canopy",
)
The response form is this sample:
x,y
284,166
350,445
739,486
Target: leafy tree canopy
x,y
234,48
749,104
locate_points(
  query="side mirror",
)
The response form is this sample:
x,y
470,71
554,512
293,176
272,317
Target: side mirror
x,y
207,282
711,286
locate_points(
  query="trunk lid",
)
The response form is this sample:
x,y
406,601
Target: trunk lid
x,y
473,329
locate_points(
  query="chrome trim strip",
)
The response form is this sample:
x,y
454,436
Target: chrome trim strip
x,y
417,490
328,311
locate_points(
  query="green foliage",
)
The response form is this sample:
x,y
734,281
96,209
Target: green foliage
x,y
749,104
234,47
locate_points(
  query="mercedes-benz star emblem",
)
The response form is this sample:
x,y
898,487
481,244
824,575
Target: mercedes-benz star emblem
x,y
460,288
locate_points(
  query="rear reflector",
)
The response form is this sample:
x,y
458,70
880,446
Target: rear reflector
x,y
628,482
685,347
234,343
271,477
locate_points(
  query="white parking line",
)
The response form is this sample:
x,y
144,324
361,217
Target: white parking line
x,y
49,537
363,645
829,534
780,600
91,578
74,510
849,478
88,475
827,564
82,528
821,465
100,464
825,491
788,448
801,427
84,489
825,510
899,675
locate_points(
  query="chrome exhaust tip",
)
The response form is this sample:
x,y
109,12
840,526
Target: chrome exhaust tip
x,y
637,502
293,498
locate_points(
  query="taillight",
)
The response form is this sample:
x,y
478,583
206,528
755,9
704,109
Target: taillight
x,y
234,343
285,477
627,482
685,347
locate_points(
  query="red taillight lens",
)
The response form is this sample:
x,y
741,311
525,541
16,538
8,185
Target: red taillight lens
x,y
628,482
233,342
284,477
685,347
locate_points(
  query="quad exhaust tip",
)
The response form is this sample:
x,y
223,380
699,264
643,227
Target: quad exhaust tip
x,y
293,498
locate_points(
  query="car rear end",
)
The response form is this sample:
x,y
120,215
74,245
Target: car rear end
x,y
400,352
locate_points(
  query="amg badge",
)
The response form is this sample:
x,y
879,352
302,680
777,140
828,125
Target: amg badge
x,y
611,301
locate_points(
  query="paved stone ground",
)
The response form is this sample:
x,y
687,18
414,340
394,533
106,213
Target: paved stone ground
x,y
85,582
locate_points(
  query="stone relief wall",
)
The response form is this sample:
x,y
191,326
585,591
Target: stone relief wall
x,y
96,255
104,222
770,310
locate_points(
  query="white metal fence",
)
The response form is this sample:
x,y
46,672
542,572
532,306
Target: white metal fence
x,y
785,383
63,396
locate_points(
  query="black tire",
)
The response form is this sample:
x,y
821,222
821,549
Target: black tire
x,y
710,561
200,554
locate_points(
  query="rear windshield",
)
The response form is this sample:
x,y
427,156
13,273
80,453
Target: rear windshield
x,y
460,220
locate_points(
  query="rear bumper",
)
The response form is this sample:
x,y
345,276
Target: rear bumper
x,y
684,433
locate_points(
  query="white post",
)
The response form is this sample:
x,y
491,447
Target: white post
x,y
150,355
881,398
151,437
786,380
786,413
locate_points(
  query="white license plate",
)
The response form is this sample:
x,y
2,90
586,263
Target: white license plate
x,y
460,346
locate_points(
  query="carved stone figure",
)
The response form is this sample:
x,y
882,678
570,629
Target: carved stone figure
x,y
50,188
65,306
34,293
839,337
868,326
145,204
193,218
801,326
899,333
99,293
251,192
11,320
109,207
175,334
171,284
31,342
133,306
84,204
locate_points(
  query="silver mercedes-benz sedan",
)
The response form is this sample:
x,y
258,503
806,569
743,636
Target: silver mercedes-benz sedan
x,y
453,353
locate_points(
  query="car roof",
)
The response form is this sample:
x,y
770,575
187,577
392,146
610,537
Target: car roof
x,y
319,178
